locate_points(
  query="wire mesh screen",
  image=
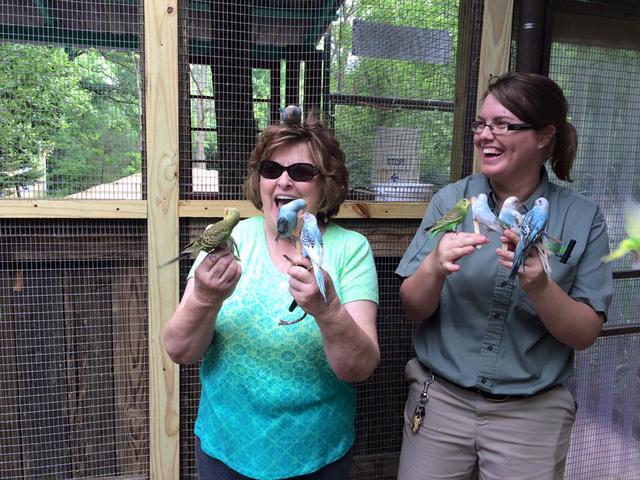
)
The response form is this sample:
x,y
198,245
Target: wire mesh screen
x,y
382,77
599,75
605,443
391,97
70,90
603,87
74,383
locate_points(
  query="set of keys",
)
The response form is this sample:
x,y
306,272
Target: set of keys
x,y
419,412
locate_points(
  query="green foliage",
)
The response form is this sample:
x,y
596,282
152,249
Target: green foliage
x,y
394,79
70,117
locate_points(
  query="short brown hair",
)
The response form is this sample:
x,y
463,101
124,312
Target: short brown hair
x,y
325,151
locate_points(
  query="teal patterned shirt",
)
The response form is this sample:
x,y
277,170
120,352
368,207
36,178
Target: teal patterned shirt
x,y
270,406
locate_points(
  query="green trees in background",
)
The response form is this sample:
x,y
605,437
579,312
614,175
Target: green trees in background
x,y
355,125
70,118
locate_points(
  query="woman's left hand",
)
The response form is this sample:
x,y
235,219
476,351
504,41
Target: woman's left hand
x,y
532,277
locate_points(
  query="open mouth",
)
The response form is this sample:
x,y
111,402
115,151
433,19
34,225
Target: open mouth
x,y
283,200
491,152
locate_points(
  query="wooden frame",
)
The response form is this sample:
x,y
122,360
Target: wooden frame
x,y
495,48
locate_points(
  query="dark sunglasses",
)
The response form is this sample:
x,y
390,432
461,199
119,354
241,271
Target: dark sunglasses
x,y
298,172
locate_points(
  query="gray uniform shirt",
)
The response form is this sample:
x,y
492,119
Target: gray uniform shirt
x,y
485,332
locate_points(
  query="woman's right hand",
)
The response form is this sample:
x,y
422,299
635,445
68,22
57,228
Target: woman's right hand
x,y
216,277
451,248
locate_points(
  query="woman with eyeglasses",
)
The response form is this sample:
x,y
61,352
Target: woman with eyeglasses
x,y
278,401
487,396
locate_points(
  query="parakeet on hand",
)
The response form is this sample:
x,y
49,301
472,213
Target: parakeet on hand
x,y
553,245
509,216
312,248
213,236
483,214
531,230
451,219
291,115
631,244
288,220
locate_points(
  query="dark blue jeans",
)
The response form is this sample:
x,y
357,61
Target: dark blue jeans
x,y
210,468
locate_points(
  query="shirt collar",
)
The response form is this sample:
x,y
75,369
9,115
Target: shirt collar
x,y
540,191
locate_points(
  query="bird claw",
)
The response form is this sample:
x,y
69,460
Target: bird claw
x,y
284,322
296,264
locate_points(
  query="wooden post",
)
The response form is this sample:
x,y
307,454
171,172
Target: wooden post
x,y
495,49
161,103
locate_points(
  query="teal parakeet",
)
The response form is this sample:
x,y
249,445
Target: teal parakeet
x,y
631,244
213,236
509,215
531,230
451,219
288,220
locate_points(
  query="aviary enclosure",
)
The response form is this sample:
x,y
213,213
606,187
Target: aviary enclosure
x,y
125,127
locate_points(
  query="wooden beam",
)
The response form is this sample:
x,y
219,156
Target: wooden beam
x,y
161,107
495,48
73,209
137,209
370,210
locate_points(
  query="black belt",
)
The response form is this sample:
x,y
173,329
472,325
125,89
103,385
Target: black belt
x,y
494,397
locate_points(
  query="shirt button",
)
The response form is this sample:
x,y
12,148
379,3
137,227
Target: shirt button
x,y
483,380
490,348
503,283
496,315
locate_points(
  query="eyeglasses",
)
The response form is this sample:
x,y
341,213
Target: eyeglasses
x,y
298,172
500,128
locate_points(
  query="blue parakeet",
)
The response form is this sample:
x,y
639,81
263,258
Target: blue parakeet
x,y
631,244
531,230
312,248
291,115
483,214
288,220
509,215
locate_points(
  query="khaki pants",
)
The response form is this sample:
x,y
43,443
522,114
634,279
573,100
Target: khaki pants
x,y
465,436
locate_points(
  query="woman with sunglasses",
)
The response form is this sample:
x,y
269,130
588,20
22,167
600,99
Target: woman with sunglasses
x,y
278,401
486,389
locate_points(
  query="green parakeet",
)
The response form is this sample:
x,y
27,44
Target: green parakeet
x,y
631,244
451,219
213,236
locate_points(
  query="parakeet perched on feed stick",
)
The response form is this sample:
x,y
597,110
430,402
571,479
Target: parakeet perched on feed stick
x,y
451,219
287,225
509,215
483,214
313,249
213,236
631,244
531,230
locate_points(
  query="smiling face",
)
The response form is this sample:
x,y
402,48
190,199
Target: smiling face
x,y
275,193
515,157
